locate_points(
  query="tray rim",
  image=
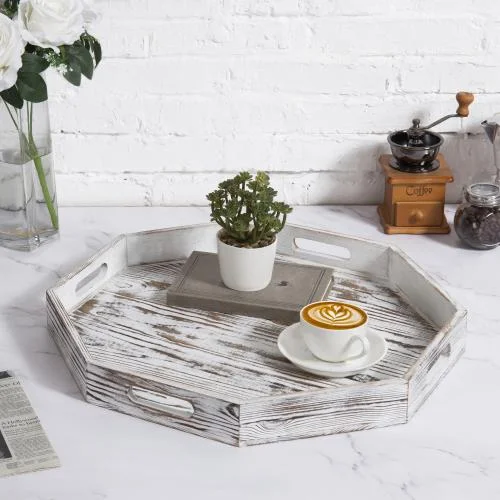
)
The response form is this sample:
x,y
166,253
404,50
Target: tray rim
x,y
455,322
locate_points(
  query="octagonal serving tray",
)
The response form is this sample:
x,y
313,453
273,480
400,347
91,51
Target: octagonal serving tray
x,y
221,376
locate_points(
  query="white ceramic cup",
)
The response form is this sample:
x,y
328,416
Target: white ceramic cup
x,y
335,331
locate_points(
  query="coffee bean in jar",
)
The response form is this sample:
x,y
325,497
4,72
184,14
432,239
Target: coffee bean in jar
x,y
477,220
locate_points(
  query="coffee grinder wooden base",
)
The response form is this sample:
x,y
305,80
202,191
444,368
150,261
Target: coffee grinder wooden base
x,y
414,202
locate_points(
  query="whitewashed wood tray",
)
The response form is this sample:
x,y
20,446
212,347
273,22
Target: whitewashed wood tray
x,y
221,376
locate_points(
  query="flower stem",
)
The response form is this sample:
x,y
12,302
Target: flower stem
x,y
37,160
11,116
46,193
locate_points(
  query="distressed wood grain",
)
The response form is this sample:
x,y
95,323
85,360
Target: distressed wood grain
x,y
346,409
228,367
437,360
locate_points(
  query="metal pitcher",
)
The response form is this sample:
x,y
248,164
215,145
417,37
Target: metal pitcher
x,y
491,129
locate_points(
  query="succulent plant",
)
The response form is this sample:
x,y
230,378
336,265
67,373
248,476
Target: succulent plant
x,y
245,208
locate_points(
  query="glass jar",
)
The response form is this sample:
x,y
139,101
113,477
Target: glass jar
x,y
477,220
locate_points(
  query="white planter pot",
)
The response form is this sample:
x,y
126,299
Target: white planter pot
x,y
246,269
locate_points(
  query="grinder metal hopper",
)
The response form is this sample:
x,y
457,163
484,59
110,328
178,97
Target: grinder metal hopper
x,y
416,148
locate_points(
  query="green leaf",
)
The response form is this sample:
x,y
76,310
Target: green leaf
x,y
93,46
96,49
73,76
33,63
79,59
11,96
10,7
32,87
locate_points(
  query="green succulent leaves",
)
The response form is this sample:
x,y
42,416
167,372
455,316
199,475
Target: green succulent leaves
x,y
246,209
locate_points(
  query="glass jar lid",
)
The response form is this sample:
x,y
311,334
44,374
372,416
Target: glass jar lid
x,y
483,194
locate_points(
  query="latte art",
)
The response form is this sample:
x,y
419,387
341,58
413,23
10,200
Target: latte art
x,y
334,315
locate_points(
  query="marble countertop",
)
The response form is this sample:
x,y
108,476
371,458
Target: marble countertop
x,y
449,450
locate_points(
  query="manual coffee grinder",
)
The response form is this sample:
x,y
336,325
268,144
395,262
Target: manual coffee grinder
x,y
416,175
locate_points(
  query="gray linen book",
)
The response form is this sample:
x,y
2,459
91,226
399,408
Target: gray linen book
x,y
291,288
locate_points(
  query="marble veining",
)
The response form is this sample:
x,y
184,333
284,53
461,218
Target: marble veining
x,y
449,450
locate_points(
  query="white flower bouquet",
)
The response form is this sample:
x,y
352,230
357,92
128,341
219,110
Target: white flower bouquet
x,y
36,34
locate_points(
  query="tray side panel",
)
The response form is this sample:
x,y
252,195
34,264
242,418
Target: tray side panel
x,y
213,418
360,255
81,284
437,360
324,412
170,244
421,290
67,340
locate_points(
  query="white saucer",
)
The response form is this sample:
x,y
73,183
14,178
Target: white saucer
x,y
292,346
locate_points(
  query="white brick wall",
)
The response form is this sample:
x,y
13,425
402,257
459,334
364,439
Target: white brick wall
x,y
193,90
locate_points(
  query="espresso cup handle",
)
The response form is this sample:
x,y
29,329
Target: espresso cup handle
x,y
365,343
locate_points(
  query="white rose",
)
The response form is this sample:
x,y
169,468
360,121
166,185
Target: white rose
x,y
51,23
11,50
89,13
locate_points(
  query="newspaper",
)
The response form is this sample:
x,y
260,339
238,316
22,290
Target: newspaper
x,y
24,447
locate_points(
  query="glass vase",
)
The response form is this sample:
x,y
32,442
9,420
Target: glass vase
x,y
28,203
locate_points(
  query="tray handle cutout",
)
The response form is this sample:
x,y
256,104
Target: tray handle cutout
x,y
86,284
157,401
320,248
